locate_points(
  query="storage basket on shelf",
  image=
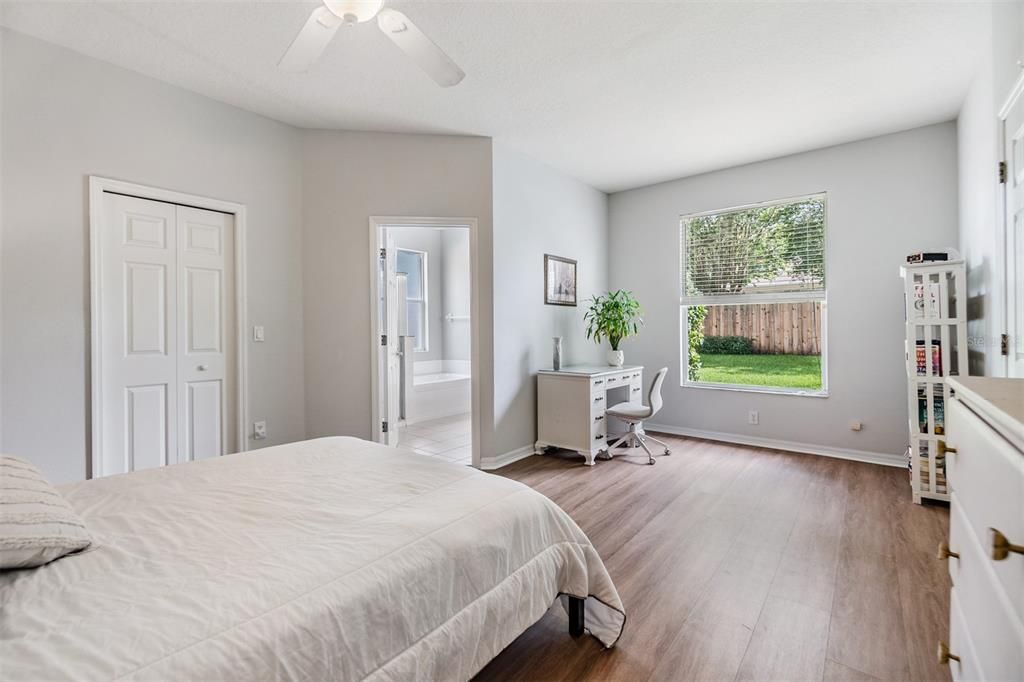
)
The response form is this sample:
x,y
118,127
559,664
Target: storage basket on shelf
x,y
936,348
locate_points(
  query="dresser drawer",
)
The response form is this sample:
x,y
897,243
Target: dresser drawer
x,y
960,644
986,475
995,630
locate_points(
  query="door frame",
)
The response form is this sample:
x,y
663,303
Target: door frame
x,y
1006,220
98,185
378,224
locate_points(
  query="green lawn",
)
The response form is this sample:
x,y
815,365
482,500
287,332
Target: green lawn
x,y
776,371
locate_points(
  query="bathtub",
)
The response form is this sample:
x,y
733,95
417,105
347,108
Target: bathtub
x,y
438,389
438,378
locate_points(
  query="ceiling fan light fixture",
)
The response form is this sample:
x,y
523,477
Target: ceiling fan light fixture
x,y
354,11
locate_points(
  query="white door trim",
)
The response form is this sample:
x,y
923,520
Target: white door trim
x,y
377,224
97,186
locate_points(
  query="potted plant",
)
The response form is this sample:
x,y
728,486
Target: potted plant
x,y
615,316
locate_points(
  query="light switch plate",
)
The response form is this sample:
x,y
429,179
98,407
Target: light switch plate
x,y
258,334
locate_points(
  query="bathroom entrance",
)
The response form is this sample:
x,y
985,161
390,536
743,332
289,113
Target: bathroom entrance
x,y
424,339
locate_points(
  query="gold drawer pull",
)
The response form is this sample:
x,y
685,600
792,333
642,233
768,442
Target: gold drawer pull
x,y
1001,546
943,448
944,656
944,552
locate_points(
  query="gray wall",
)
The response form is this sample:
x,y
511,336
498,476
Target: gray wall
x,y
887,197
455,287
66,117
538,210
347,178
428,241
981,210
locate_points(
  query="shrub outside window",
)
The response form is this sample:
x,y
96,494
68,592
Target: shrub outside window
x,y
753,296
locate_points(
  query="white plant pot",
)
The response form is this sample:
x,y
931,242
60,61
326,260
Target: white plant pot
x,y
616,358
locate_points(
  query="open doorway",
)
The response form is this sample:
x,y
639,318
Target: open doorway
x,y
424,305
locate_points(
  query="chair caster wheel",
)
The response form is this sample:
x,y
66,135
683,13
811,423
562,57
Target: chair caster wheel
x,y
651,462
667,451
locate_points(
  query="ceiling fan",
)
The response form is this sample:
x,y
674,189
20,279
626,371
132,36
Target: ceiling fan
x,y
324,22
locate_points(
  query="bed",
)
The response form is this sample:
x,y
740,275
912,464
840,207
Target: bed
x,y
329,559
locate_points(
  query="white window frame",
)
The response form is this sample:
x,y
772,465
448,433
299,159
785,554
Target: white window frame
x,y
744,299
424,301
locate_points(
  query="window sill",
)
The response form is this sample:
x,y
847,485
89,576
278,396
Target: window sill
x,y
822,393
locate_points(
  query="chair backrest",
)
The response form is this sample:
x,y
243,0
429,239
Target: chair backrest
x,y
654,397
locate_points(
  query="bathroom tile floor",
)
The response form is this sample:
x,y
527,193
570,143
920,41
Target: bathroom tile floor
x,y
448,438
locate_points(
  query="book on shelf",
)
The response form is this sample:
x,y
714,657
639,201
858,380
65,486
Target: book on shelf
x,y
922,350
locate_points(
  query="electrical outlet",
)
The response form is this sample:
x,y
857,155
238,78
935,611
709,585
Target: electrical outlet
x,y
855,425
258,334
752,417
259,430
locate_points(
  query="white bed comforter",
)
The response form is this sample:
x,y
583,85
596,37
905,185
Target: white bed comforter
x,y
331,559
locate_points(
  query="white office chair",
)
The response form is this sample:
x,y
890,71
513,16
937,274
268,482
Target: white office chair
x,y
635,415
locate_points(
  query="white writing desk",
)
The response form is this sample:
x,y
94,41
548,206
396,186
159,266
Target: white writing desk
x,y
571,404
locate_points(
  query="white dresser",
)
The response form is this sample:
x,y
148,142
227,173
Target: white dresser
x,y
571,404
985,553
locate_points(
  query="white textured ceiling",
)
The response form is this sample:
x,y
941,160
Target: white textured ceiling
x,y
617,94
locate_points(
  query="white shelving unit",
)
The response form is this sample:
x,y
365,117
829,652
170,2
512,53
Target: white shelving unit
x,y
935,296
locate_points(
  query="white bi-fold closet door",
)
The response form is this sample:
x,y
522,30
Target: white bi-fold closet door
x,y
167,321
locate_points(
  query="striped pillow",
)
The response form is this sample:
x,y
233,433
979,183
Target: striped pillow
x,y
37,525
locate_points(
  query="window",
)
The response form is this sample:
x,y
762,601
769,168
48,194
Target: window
x,y
753,297
414,265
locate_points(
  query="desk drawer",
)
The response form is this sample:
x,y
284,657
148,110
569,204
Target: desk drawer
x,y
599,433
616,380
986,475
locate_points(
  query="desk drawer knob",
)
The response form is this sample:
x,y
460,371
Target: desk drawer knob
x,y
944,656
598,437
636,390
943,448
945,553
598,398
599,418
1002,547
599,381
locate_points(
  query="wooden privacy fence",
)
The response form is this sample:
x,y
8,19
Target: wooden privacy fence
x,y
789,328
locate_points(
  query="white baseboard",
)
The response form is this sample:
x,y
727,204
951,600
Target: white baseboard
x,y
492,463
885,459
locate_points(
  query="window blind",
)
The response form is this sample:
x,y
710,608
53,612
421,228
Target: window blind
x,y
771,251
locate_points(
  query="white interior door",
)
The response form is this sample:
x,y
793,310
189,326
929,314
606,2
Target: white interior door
x,y
206,316
1013,149
138,343
167,314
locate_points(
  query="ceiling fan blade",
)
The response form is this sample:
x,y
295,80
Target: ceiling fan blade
x,y
307,47
422,49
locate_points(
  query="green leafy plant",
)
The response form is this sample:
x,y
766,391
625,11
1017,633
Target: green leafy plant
x,y
727,345
695,315
613,316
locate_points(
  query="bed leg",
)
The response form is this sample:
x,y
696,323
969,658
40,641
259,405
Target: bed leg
x,y
576,617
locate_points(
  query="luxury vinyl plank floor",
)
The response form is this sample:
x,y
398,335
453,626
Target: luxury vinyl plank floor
x,y
739,563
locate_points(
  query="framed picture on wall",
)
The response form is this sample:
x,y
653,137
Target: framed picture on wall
x,y
559,280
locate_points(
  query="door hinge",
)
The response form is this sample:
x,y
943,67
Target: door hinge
x,y
1002,172
383,339
1004,344
383,253
384,427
